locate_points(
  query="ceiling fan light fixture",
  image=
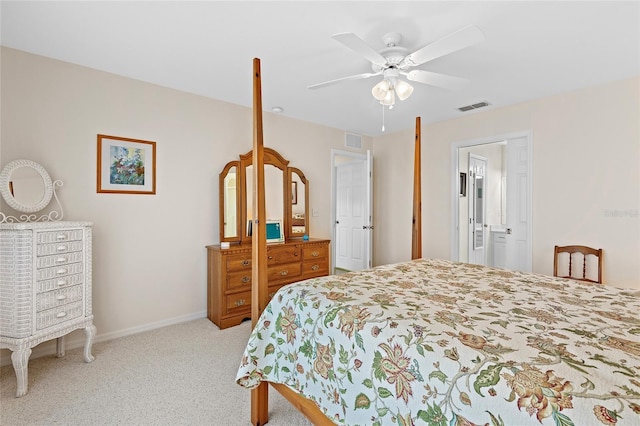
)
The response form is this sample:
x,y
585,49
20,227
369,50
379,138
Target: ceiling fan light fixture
x,y
381,90
403,89
389,99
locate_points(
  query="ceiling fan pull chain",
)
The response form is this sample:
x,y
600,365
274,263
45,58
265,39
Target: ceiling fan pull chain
x,y
383,118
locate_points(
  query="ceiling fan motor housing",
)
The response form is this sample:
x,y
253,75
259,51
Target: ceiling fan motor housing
x,y
393,54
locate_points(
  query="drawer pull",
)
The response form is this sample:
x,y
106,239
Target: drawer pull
x,y
61,237
315,267
315,254
270,257
61,297
61,314
246,279
246,262
62,283
284,273
240,302
61,271
61,259
62,248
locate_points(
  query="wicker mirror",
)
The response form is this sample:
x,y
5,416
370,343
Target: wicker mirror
x,y
26,187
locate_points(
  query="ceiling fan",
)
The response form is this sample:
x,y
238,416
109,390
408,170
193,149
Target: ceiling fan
x,y
394,61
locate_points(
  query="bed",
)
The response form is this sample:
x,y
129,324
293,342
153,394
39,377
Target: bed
x,y
437,342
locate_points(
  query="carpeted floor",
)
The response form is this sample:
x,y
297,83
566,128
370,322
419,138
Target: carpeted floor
x,y
178,375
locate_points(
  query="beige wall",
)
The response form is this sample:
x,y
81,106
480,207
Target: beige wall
x,y
149,250
586,177
149,255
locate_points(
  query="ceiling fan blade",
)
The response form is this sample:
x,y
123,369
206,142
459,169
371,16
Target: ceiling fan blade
x,y
358,45
436,79
458,40
340,80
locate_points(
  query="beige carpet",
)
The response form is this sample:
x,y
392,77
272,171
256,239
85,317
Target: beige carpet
x,y
178,375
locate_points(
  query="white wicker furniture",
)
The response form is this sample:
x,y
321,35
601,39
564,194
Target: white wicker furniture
x,y
45,288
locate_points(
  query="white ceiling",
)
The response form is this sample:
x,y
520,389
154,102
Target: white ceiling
x,y
532,49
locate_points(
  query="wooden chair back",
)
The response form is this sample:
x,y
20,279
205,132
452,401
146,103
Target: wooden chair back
x,y
582,254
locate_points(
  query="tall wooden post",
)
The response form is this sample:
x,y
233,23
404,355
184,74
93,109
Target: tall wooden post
x,y
259,285
416,233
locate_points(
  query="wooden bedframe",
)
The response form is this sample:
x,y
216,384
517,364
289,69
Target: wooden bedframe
x,y
259,293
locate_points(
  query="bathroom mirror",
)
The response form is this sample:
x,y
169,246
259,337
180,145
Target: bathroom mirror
x,y
26,186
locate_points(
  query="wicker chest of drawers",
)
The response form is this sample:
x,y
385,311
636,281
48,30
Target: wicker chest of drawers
x,y
229,275
45,288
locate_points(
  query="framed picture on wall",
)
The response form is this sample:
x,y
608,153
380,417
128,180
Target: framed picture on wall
x,y
126,166
294,192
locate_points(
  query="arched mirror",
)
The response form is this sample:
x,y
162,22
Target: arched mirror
x,y
230,202
299,206
273,185
26,186
286,197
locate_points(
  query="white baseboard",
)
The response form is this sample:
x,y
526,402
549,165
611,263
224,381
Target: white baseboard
x,y
49,347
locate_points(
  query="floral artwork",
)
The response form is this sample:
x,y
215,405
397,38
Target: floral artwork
x,y
435,342
127,166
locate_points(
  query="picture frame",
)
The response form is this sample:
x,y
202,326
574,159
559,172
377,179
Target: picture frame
x,y
294,193
463,184
126,165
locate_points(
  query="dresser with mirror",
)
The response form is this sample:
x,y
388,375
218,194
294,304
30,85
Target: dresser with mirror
x,y
291,255
45,268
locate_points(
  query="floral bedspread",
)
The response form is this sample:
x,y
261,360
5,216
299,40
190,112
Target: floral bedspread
x,y
435,342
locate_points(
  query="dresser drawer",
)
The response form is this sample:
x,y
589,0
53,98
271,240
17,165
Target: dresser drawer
x,y
315,252
282,254
288,272
59,259
58,315
46,237
59,271
58,248
238,262
54,298
239,280
238,302
55,283
315,268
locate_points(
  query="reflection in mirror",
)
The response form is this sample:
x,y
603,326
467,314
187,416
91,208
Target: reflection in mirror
x,y
230,203
27,186
273,189
298,207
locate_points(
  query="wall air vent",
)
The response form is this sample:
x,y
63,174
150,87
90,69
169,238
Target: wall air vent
x,y
473,106
352,140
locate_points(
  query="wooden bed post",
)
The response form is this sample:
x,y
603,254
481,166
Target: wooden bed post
x,y
259,285
416,234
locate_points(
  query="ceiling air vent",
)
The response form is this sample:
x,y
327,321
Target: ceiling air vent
x,y
352,140
473,106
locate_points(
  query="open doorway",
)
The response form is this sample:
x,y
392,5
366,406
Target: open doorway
x,y
352,177
499,234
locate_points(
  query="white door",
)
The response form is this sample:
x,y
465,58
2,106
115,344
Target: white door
x,y
518,256
353,229
477,209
